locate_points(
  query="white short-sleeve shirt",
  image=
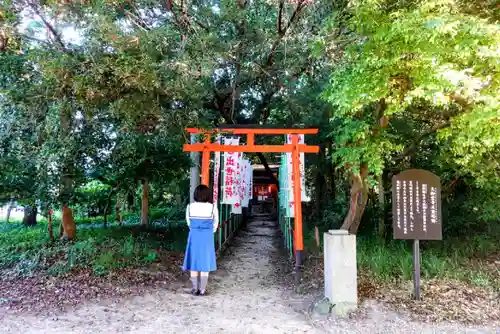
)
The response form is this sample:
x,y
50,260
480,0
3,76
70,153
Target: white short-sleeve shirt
x,y
203,210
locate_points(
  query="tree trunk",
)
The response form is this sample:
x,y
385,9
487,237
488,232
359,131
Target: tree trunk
x,y
106,208
381,206
118,217
105,216
330,174
319,182
30,213
9,210
130,200
68,226
49,224
68,165
145,203
178,200
319,194
269,172
358,200
331,180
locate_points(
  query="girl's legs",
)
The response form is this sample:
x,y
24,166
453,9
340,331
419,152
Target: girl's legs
x,y
194,281
203,282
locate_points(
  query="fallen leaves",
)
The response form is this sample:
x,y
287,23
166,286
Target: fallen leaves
x,y
441,299
445,300
44,294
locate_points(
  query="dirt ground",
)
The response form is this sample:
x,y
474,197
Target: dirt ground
x,y
245,297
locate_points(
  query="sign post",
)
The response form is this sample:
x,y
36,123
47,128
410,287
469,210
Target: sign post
x,y
416,269
416,208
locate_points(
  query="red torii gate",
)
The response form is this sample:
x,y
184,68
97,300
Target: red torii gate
x,y
207,147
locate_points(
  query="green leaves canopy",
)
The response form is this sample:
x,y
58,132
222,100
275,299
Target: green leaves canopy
x,y
431,62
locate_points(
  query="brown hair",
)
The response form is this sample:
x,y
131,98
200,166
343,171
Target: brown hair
x,y
202,194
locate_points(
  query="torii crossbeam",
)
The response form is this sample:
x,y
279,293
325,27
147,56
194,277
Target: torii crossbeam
x,y
207,147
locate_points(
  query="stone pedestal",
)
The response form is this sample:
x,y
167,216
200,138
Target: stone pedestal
x,y
341,280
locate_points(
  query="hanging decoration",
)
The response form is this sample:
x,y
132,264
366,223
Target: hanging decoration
x,y
243,190
246,183
237,206
250,181
229,195
289,180
286,185
216,173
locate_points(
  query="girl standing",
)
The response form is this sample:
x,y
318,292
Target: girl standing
x,y
202,219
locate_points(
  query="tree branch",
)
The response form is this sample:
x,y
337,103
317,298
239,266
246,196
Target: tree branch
x,y
414,145
183,23
280,15
237,66
136,20
139,21
410,149
282,32
270,173
4,41
242,3
267,99
221,98
169,5
35,39
49,26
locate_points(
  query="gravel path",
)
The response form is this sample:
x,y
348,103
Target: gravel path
x,y
245,298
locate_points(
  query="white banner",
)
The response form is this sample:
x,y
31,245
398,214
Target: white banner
x,y
236,209
288,187
250,181
216,173
244,188
302,168
229,195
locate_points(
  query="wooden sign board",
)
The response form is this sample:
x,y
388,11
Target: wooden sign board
x,y
416,205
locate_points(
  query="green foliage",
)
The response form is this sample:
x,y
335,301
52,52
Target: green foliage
x,y
417,86
86,122
28,251
111,107
469,259
429,55
451,259
69,113
91,197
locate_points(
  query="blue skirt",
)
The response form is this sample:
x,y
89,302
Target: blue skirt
x,y
200,250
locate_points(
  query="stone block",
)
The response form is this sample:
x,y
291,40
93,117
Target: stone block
x,y
341,280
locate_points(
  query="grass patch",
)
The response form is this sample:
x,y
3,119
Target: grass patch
x,y
155,214
473,260
464,260
25,251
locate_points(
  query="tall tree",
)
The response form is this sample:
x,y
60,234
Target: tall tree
x,y
221,61
432,63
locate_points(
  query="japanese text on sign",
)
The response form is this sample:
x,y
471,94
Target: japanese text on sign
x,y
216,173
246,183
416,201
229,194
290,180
237,207
250,181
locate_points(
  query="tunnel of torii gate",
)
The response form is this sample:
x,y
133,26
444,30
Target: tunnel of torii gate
x,y
295,148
